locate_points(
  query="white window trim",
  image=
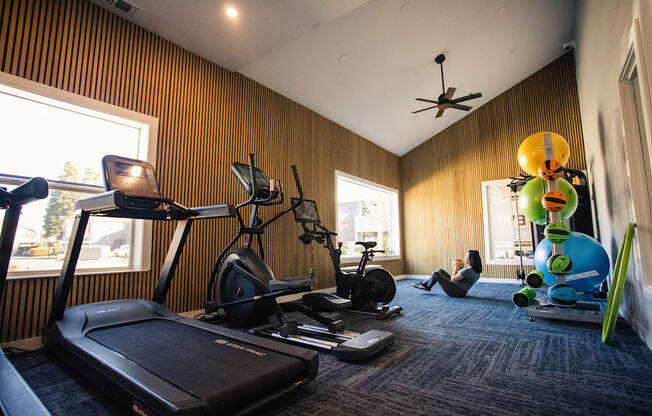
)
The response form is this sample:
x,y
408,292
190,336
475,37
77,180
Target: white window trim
x,y
356,259
633,56
142,247
487,232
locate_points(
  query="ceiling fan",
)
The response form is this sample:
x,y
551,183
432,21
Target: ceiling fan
x,y
445,99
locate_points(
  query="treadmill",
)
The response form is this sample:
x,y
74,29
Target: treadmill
x,y
149,359
16,397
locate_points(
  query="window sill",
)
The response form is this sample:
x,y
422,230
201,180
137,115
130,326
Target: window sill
x,y
350,260
510,262
47,273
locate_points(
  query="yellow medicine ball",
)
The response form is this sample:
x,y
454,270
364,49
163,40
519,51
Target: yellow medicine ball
x,y
531,152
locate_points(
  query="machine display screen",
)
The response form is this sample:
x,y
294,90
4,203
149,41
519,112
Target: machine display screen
x,y
133,177
242,173
131,171
306,212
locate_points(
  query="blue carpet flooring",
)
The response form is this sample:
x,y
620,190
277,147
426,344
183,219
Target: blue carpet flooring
x,y
478,356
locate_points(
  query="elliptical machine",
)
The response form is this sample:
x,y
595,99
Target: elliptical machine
x,y
243,288
365,288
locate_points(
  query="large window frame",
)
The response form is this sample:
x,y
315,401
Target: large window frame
x,y
376,186
637,127
141,231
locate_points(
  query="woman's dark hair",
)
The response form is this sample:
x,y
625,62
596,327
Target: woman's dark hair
x,y
475,261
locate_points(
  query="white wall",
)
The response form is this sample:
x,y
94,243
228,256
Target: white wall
x,y
602,30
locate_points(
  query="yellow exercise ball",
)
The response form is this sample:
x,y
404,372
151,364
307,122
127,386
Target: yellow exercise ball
x,y
531,152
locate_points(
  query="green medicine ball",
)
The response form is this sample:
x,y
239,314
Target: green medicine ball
x,y
529,200
535,278
559,264
556,233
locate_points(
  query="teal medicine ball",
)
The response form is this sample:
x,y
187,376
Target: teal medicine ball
x,y
535,278
562,294
556,233
559,264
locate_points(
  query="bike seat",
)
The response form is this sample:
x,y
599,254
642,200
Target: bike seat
x,y
325,301
366,244
297,284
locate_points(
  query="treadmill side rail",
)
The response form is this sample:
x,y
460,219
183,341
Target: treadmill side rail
x,y
16,397
214,211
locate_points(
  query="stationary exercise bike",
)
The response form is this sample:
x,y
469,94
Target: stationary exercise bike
x,y
365,288
243,288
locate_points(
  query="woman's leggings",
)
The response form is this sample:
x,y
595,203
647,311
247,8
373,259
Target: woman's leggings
x,y
444,280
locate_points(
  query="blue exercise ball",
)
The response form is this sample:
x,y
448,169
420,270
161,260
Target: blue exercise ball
x,y
590,262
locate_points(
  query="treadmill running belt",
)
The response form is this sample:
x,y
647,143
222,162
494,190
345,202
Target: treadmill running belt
x,y
224,372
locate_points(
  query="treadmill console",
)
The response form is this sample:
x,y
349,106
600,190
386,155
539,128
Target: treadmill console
x,y
132,177
243,174
306,212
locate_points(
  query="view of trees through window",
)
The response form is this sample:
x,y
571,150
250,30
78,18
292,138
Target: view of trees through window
x,y
65,147
366,213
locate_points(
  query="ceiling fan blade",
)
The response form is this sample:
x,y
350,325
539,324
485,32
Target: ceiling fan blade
x,y
424,109
427,101
461,107
449,92
466,97
440,112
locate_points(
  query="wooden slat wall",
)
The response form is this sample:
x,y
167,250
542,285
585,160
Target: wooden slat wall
x,y
208,118
440,179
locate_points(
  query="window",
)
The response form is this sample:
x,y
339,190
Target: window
x,y
502,226
366,212
63,137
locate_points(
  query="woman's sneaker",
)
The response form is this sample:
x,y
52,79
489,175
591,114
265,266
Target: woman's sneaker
x,y
421,286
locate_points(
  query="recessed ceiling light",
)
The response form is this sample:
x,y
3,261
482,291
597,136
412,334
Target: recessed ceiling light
x,y
231,12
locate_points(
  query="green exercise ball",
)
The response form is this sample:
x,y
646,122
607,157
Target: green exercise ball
x,y
529,200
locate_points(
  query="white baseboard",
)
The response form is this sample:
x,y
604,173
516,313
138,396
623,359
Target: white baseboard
x,y
482,279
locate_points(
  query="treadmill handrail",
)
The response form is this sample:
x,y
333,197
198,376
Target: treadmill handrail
x,y
117,204
33,189
16,397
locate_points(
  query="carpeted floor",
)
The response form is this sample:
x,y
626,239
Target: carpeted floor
x,y
478,355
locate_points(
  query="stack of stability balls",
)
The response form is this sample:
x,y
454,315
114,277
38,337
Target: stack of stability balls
x,y
579,261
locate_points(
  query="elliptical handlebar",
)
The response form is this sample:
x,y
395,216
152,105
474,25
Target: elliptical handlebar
x,y
298,202
298,183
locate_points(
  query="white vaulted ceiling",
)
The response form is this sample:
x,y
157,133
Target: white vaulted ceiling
x,y
361,63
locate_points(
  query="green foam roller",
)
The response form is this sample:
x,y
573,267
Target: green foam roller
x,y
523,297
535,278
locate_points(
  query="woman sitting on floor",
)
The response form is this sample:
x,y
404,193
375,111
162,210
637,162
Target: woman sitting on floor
x,y
463,277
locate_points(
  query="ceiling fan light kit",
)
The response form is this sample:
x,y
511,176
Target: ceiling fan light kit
x,y
445,100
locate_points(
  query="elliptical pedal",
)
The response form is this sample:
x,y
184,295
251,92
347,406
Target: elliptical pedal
x,y
387,311
364,345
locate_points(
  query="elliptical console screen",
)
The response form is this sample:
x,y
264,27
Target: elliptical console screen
x,y
241,172
306,212
131,176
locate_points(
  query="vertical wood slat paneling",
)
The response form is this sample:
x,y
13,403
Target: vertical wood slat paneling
x,y
440,179
208,118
